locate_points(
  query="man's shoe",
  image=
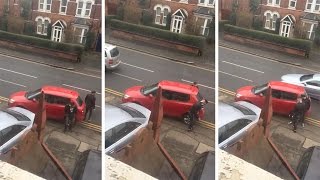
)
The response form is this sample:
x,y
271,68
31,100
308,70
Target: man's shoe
x,y
302,124
290,122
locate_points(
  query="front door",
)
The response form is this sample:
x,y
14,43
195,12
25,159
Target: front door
x,y
285,29
177,24
57,34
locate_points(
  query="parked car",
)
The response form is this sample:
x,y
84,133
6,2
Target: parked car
x,y
310,82
284,95
178,97
15,122
308,167
203,168
122,123
88,166
234,120
55,98
112,55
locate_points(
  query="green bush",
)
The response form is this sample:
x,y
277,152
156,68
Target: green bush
x,y
222,23
109,18
90,40
28,28
273,38
159,26
44,43
197,41
146,18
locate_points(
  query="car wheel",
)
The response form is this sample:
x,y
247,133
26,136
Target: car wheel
x,y
186,118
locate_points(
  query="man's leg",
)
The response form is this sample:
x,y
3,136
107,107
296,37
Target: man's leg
x,y
191,122
90,113
65,124
295,125
85,115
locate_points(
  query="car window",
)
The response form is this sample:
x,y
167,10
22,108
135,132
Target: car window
x,y
306,77
133,112
276,94
232,128
150,89
243,109
289,96
114,52
51,99
314,83
198,168
176,96
120,131
33,94
17,115
259,89
79,101
304,162
9,132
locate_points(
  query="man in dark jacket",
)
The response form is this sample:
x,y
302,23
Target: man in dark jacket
x,y
90,101
70,111
307,103
194,111
297,113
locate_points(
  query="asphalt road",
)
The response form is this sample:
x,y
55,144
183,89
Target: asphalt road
x,y
20,75
237,69
142,69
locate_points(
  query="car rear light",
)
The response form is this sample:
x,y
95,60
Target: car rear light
x,y
111,61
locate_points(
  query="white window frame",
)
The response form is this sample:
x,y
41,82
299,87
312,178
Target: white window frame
x,y
206,3
161,15
204,27
158,15
43,32
164,22
272,22
175,28
84,8
273,3
295,4
313,4
82,33
311,30
45,4
285,24
54,30
66,6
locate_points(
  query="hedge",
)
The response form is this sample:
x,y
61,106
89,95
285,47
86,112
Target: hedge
x,y
109,18
196,41
273,38
40,42
222,23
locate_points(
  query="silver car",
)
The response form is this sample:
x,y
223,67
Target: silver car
x,y
14,123
311,83
122,123
112,55
234,120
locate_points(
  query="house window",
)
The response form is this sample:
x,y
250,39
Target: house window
x,y
313,5
165,14
274,2
274,21
292,4
211,2
268,20
45,5
84,8
201,2
158,15
204,29
80,35
63,6
39,26
42,25
310,27
271,20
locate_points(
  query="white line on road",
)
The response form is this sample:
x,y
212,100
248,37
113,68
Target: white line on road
x,y
198,84
78,88
127,76
18,73
235,76
136,67
243,67
12,83
93,70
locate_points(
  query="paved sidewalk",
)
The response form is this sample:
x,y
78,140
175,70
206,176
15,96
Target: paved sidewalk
x,y
207,59
313,62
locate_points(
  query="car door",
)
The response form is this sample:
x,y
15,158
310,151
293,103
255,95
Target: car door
x,y
55,106
10,137
276,100
288,102
313,88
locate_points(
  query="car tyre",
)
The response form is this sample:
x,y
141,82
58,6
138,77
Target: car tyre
x,y
186,118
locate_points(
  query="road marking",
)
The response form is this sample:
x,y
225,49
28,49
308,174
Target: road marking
x,y
236,76
127,76
136,67
166,59
198,84
206,124
4,99
19,73
93,70
271,60
243,67
91,126
227,91
111,91
12,83
78,88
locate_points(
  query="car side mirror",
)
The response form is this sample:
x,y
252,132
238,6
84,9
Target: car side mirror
x,y
34,99
304,84
150,95
260,94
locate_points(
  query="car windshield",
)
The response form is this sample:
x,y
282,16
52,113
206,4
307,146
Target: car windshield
x,y
114,52
33,94
259,89
19,116
243,109
306,77
79,101
133,112
149,89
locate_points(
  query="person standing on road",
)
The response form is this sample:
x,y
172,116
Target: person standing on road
x,y
297,113
70,111
307,103
90,101
194,112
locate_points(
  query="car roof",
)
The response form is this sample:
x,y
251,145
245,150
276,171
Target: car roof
x,y
228,113
286,86
60,91
316,76
314,164
179,87
109,46
115,116
6,120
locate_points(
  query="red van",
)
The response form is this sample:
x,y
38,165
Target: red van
x,y
178,97
284,95
56,99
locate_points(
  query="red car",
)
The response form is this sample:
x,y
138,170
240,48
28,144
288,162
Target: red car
x,y
56,99
178,97
284,95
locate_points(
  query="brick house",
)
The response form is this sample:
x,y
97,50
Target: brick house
x,y
199,13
